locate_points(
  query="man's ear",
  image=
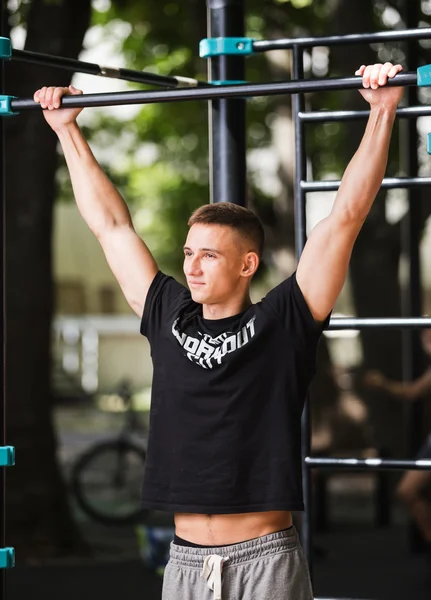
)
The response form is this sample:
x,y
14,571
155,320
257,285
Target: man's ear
x,y
251,264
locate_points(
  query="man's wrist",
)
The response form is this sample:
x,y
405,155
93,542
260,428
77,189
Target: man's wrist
x,y
65,128
384,110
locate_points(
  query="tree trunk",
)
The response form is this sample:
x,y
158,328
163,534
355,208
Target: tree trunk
x,y
38,516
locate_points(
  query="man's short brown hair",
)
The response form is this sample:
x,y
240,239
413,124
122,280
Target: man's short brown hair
x,y
241,219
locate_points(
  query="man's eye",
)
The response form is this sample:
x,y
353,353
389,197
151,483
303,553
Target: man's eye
x,y
209,255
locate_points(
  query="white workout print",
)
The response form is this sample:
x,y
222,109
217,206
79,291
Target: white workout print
x,y
207,351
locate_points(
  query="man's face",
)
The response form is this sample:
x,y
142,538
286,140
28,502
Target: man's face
x,y
214,258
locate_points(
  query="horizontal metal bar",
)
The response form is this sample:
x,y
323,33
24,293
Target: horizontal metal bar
x,y
372,464
325,116
340,323
388,183
107,325
338,40
223,91
79,66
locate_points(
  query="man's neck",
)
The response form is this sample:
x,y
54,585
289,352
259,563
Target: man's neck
x,y
222,311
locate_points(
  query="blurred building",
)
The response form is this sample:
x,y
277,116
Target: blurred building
x,y
96,339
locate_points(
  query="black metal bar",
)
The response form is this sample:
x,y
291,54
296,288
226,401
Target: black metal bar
x,y
341,323
227,116
245,90
79,66
411,229
326,116
3,16
338,40
298,105
387,183
382,495
371,464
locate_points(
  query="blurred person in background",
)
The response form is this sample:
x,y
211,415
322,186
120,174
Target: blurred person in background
x,y
413,484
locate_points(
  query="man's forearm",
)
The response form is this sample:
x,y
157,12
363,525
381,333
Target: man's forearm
x,y
363,176
97,198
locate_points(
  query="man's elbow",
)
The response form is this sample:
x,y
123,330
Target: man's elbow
x,y
350,218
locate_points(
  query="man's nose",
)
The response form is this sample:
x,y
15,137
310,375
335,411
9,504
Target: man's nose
x,y
194,266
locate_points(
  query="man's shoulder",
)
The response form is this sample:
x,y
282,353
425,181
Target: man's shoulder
x,y
163,283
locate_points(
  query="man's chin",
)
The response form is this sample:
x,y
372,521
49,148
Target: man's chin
x,y
198,296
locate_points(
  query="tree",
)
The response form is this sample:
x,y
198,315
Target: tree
x,y
38,516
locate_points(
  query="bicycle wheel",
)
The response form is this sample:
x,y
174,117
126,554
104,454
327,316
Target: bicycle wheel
x,y
106,481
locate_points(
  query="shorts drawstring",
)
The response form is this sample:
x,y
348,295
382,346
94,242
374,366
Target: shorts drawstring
x,y
211,572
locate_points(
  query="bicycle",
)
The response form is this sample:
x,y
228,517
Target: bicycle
x,y
106,479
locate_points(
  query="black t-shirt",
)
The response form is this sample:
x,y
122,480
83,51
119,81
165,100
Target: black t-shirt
x,y
227,399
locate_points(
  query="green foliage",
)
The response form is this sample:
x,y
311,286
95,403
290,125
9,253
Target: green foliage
x,y
18,12
163,38
162,164
296,3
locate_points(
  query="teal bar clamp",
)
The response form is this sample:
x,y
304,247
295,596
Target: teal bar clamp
x,y
7,558
5,106
227,82
227,45
7,456
424,80
5,48
424,75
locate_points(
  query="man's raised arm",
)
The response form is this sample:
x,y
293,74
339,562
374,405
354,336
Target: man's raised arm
x,y
323,266
99,202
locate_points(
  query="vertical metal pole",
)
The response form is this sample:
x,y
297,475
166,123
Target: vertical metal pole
x,y
227,116
3,316
298,105
411,231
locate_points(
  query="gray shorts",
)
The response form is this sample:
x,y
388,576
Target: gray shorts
x,y
269,567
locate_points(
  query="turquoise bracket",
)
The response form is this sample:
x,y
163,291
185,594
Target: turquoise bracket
x,y
5,106
7,558
424,80
7,456
424,75
5,48
231,82
209,47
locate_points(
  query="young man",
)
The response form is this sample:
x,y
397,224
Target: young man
x,y
230,377
412,484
